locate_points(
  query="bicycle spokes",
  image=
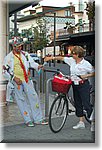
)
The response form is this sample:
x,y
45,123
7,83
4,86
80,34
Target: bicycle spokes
x,y
58,113
60,107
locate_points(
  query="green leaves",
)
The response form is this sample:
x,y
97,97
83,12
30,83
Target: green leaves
x,y
40,34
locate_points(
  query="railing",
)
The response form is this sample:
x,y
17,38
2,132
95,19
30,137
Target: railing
x,y
78,29
47,89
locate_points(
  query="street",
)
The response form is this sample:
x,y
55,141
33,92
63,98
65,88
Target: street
x,y
15,130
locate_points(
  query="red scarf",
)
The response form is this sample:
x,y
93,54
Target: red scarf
x,y
23,68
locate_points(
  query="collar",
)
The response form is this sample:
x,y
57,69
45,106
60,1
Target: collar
x,y
82,61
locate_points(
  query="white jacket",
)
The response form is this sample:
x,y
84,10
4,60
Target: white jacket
x,y
9,64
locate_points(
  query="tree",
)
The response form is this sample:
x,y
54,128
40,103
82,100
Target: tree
x,y
90,10
69,26
41,38
27,33
11,34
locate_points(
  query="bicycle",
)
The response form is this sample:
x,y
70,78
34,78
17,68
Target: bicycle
x,y
60,107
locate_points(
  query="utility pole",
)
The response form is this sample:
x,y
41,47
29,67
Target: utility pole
x,y
15,24
54,36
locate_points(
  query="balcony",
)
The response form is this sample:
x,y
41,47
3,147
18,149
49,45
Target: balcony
x,y
77,29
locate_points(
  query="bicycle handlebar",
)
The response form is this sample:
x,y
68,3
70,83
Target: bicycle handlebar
x,y
57,72
54,71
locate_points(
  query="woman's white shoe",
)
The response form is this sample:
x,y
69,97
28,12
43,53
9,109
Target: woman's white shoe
x,y
80,125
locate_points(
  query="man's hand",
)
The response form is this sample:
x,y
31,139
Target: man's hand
x,y
4,68
17,80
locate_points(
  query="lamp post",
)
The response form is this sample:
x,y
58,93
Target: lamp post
x,y
54,36
15,24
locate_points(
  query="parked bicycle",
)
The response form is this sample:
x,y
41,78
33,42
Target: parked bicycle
x,y
60,110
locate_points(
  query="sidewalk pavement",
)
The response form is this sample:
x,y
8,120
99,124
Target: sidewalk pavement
x,y
14,130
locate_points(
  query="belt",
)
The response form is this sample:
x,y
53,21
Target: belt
x,y
79,82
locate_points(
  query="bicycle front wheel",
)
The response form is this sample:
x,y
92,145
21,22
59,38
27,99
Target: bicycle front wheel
x,y
58,113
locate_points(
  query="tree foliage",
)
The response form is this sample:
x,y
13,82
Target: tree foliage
x,y
41,38
27,32
90,10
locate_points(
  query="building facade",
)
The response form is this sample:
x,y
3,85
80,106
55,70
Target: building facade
x,y
69,20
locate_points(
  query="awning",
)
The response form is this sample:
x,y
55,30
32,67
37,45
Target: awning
x,y
15,6
77,38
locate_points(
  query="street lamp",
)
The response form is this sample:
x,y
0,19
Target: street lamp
x,y
54,36
15,24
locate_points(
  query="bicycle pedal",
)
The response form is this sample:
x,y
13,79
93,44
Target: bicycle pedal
x,y
70,110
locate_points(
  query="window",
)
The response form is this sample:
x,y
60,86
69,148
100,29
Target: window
x,y
67,13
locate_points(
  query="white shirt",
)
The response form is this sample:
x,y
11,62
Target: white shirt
x,y
82,68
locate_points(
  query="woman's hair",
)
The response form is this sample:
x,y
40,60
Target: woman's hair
x,y
79,51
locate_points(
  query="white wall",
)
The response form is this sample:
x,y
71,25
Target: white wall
x,y
50,51
3,31
3,46
26,24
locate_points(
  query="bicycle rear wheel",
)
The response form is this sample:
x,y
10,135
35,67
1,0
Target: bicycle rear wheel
x,y
58,113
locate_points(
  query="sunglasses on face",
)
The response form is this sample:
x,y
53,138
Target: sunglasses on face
x,y
73,53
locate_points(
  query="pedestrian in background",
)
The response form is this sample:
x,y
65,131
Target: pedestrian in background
x,y
80,70
16,70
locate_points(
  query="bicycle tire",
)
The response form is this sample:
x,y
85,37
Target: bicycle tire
x,y
59,106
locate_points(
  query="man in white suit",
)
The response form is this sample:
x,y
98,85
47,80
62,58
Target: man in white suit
x,y
16,71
